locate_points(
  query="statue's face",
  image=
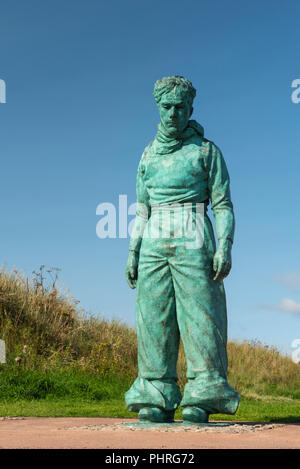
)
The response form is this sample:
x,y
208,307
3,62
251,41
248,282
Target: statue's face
x,y
175,111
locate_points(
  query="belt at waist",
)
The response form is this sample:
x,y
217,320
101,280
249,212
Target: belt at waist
x,y
179,206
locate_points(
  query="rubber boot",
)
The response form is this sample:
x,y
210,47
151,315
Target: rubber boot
x,y
155,414
194,415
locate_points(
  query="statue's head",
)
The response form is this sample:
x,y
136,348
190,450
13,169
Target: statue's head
x,y
174,97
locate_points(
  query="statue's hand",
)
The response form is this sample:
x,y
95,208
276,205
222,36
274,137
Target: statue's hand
x,y
222,261
132,268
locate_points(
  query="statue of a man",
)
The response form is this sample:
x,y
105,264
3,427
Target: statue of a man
x,y
180,292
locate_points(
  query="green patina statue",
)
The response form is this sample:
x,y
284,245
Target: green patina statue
x,y
180,290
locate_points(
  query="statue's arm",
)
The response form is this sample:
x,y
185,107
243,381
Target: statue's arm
x,y
142,210
219,189
142,215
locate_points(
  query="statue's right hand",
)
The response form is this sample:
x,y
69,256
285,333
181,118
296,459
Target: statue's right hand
x,y
132,268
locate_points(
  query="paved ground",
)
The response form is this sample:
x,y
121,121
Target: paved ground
x,y
103,433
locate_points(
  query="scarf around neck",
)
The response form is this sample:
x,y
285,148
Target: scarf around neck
x,y
165,143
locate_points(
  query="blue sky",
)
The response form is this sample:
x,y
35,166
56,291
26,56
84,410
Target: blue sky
x,y
79,112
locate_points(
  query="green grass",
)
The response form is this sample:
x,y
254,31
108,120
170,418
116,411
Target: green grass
x,y
265,411
249,410
31,385
65,408
65,393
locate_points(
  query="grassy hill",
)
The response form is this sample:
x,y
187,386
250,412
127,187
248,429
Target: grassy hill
x,y
62,362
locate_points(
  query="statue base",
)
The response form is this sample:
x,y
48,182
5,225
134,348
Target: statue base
x,y
175,424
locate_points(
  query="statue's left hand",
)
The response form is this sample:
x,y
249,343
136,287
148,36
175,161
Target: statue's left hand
x,y
222,261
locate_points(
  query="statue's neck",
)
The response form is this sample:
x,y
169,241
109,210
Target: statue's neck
x,y
175,135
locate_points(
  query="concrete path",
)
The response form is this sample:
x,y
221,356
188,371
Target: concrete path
x,y
73,433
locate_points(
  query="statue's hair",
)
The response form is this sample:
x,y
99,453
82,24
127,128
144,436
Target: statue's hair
x,y
166,84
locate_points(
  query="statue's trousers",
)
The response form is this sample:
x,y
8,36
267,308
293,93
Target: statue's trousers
x,y
177,297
